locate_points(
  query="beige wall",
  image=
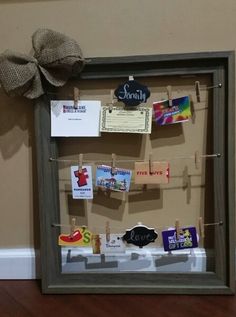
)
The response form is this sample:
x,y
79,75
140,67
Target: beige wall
x,y
103,28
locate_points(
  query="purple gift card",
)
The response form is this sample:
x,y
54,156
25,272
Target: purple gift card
x,y
187,239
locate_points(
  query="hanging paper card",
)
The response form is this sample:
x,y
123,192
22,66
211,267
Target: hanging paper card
x,y
81,237
159,174
117,181
140,235
114,245
179,112
81,181
132,93
68,121
126,121
187,239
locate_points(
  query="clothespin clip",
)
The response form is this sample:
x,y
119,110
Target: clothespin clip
x,y
108,231
80,162
131,77
113,164
197,88
72,226
177,228
201,227
197,159
150,164
169,94
112,100
185,177
76,97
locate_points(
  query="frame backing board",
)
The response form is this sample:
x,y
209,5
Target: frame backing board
x,y
155,71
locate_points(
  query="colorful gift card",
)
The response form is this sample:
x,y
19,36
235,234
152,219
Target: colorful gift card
x,y
115,244
80,121
81,181
140,235
119,180
158,175
187,239
120,120
81,237
179,111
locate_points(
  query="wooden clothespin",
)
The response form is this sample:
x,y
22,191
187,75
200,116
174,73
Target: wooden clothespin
x,y
80,162
108,231
201,228
76,97
150,164
177,228
113,164
72,226
197,159
169,94
112,100
197,88
185,177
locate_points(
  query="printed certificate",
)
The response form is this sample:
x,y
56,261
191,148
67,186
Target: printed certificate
x,y
116,119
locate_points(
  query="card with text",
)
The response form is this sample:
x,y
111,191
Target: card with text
x,y
120,120
159,175
187,239
179,111
114,245
119,180
70,121
81,181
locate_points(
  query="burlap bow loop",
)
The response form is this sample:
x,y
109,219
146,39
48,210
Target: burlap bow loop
x,y
57,57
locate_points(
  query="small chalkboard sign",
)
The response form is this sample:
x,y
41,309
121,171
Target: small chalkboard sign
x,y
132,93
140,235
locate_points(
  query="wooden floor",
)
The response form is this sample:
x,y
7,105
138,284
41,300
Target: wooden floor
x,y
24,299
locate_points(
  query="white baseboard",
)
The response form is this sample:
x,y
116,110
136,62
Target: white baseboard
x,y
18,264
21,264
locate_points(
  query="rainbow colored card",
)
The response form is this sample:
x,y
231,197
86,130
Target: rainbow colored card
x,y
179,111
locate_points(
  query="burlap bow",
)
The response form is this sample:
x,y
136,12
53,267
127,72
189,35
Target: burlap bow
x,y
57,57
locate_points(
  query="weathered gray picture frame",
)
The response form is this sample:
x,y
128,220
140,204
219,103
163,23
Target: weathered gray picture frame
x,y
220,65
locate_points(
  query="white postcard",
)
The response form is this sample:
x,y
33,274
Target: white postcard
x,y
114,245
70,121
117,119
81,181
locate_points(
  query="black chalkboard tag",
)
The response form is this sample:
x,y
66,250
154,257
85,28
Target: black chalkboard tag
x,y
140,235
132,93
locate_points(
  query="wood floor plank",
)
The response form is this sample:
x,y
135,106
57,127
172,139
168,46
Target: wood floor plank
x,y
24,299
9,307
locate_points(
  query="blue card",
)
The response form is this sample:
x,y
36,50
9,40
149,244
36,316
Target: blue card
x,y
119,180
